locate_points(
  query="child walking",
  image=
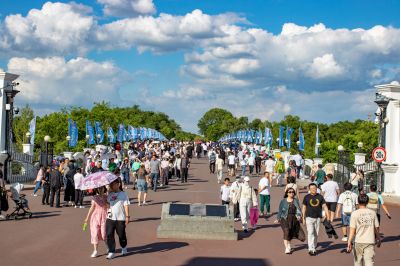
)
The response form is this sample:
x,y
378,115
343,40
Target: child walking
x,y
225,192
117,218
97,215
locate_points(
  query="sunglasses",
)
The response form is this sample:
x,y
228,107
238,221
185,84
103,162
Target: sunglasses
x,y
291,192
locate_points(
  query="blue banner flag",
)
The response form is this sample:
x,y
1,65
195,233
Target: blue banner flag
x,y
267,137
317,143
99,132
90,133
72,133
301,139
289,132
121,135
32,130
130,132
110,135
281,139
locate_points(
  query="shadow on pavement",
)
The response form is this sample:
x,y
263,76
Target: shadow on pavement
x,y
390,238
156,247
226,261
146,219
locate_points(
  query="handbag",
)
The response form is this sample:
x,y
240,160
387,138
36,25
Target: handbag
x,y
254,216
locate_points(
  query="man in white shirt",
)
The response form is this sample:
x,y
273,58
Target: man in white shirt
x,y
270,165
330,191
347,203
78,193
220,167
264,190
251,162
231,164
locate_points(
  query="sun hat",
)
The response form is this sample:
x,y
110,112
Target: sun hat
x,y
246,178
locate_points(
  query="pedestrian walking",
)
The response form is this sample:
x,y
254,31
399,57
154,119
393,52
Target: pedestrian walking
x,y
212,157
78,193
38,180
125,170
56,180
320,175
231,164
117,218
347,204
251,162
258,160
142,182
279,171
220,168
46,187
184,168
155,168
375,203
330,191
97,215
289,216
247,199
364,229
234,197
264,187
313,204
225,192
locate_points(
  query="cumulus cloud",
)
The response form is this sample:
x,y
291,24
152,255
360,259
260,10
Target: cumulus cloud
x,y
57,82
127,8
56,28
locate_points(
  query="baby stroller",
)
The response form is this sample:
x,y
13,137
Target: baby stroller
x,y
21,209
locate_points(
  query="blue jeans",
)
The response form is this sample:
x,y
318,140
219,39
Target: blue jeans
x,y
126,177
154,178
243,170
37,186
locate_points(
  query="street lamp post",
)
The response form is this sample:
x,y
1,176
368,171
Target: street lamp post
x,y
360,146
46,142
28,137
87,140
318,145
278,141
341,163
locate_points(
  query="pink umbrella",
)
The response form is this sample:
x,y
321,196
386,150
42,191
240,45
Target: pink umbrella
x,y
96,180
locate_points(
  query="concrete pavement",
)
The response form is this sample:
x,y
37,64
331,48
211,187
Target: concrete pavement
x,y
55,236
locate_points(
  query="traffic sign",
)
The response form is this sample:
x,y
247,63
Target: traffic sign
x,y
379,154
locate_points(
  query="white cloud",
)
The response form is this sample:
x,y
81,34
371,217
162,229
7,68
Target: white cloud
x,y
56,82
324,66
184,93
127,8
56,28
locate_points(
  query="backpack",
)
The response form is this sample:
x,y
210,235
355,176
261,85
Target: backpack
x,y
373,202
348,203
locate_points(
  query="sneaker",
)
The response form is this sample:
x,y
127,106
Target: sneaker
x,y
287,250
35,195
110,255
344,239
236,219
2,217
94,254
75,206
139,204
124,251
82,207
144,203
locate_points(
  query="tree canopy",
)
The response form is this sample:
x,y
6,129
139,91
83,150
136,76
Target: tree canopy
x,y
56,124
217,122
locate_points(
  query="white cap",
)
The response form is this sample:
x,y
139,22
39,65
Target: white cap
x,y
246,178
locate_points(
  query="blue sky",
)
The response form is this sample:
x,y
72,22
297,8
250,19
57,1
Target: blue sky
x,y
255,58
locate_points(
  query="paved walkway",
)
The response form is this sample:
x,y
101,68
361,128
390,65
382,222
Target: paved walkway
x,y
55,237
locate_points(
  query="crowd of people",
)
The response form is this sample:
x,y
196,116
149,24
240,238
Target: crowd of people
x,y
359,211
152,165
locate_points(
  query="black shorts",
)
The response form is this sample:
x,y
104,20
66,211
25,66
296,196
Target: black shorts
x,y
331,206
231,166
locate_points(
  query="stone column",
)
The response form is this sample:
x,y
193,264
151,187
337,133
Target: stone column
x,y
27,148
359,158
392,139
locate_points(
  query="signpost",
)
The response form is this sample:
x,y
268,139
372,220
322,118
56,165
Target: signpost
x,y
379,154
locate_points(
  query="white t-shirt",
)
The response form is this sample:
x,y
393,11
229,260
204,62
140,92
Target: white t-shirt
x,y
251,160
117,201
344,195
220,164
77,179
329,189
269,166
264,182
231,159
225,192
